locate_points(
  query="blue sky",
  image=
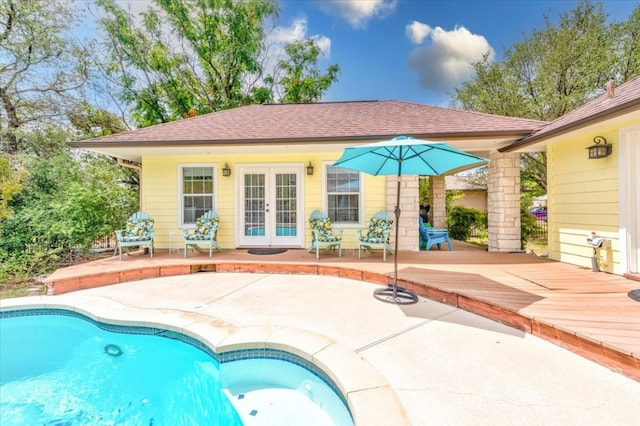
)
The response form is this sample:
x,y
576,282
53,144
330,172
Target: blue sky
x,y
416,50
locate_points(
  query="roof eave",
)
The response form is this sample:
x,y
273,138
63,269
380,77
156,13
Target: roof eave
x,y
601,116
97,143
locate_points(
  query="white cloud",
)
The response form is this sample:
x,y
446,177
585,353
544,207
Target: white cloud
x,y
417,31
446,60
279,37
358,12
297,31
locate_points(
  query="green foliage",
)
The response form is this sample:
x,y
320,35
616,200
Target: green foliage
x,y
628,36
43,68
191,57
67,202
302,82
460,220
528,225
9,185
553,71
94,122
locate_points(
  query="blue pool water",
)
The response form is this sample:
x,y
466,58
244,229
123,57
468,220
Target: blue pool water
x,y
60,368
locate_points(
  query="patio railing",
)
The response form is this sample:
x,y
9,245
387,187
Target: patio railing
x,y
541,229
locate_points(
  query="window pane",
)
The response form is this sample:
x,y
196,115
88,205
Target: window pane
x,y
343,195
197,192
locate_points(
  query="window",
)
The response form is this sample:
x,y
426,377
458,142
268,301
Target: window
x,y
343,195
197,192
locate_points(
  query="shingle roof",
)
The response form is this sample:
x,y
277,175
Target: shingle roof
x,y
321,122
624,99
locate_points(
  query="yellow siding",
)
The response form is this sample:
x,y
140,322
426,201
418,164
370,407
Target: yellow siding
x,y
160,179
583,197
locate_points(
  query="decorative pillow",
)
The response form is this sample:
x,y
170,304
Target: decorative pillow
x,y
139,229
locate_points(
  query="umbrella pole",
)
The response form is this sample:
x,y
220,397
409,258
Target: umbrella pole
x,y
395,294
397,212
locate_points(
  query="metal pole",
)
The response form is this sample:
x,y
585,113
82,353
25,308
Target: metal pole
x,y
397,212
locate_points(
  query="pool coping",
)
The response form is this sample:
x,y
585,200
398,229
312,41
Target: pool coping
x,y
361,385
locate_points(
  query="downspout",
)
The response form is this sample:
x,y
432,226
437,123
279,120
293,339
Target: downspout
x,y
135,166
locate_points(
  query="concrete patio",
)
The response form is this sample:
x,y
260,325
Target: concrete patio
x,y
485,344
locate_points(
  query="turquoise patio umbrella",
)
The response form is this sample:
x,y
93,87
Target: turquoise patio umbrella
x,y
401,156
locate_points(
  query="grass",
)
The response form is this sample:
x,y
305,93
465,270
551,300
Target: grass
x,y
538,247
20,286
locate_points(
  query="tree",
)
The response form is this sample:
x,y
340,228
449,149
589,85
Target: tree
x,y
94,122
42,69
628,36
302,81
192,57
553,71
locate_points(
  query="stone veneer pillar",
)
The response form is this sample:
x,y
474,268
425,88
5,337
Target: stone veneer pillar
x,y
409,206
503,202
437,200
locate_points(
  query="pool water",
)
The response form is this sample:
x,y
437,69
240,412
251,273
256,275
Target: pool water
x,y
69,370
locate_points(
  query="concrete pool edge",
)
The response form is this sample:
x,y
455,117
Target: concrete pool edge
x,y
362,386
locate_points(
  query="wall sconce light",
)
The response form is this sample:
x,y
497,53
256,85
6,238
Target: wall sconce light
x,y
601,148
226,171
309,169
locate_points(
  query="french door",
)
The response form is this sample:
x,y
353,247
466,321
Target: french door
x,y
270,206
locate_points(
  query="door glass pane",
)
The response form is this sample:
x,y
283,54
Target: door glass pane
x,y
254,205
286,206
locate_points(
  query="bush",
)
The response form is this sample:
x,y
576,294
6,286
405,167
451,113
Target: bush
x,y
66,203
461,220
528,225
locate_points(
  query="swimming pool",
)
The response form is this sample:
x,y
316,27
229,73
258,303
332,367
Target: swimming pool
x,y
61,367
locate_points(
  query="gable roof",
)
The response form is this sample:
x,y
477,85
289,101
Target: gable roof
x,y
317,122
615,102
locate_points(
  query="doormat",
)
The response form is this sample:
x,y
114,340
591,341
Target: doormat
x,y
635,294
263,251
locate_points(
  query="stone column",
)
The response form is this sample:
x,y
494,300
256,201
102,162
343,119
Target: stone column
x,y
437,200
503,202
409,206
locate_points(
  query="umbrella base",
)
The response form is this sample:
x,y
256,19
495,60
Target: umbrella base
x,y
394,294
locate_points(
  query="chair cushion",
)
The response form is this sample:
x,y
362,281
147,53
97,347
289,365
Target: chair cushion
x,y
379,230
138,230
323,226
205,229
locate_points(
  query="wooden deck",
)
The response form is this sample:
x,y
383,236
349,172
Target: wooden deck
x,y
589,313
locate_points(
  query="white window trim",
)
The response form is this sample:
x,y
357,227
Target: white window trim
x,y
181,167
325,195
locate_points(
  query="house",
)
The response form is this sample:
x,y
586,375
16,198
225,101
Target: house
x,y
265,168
473,195
593,172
